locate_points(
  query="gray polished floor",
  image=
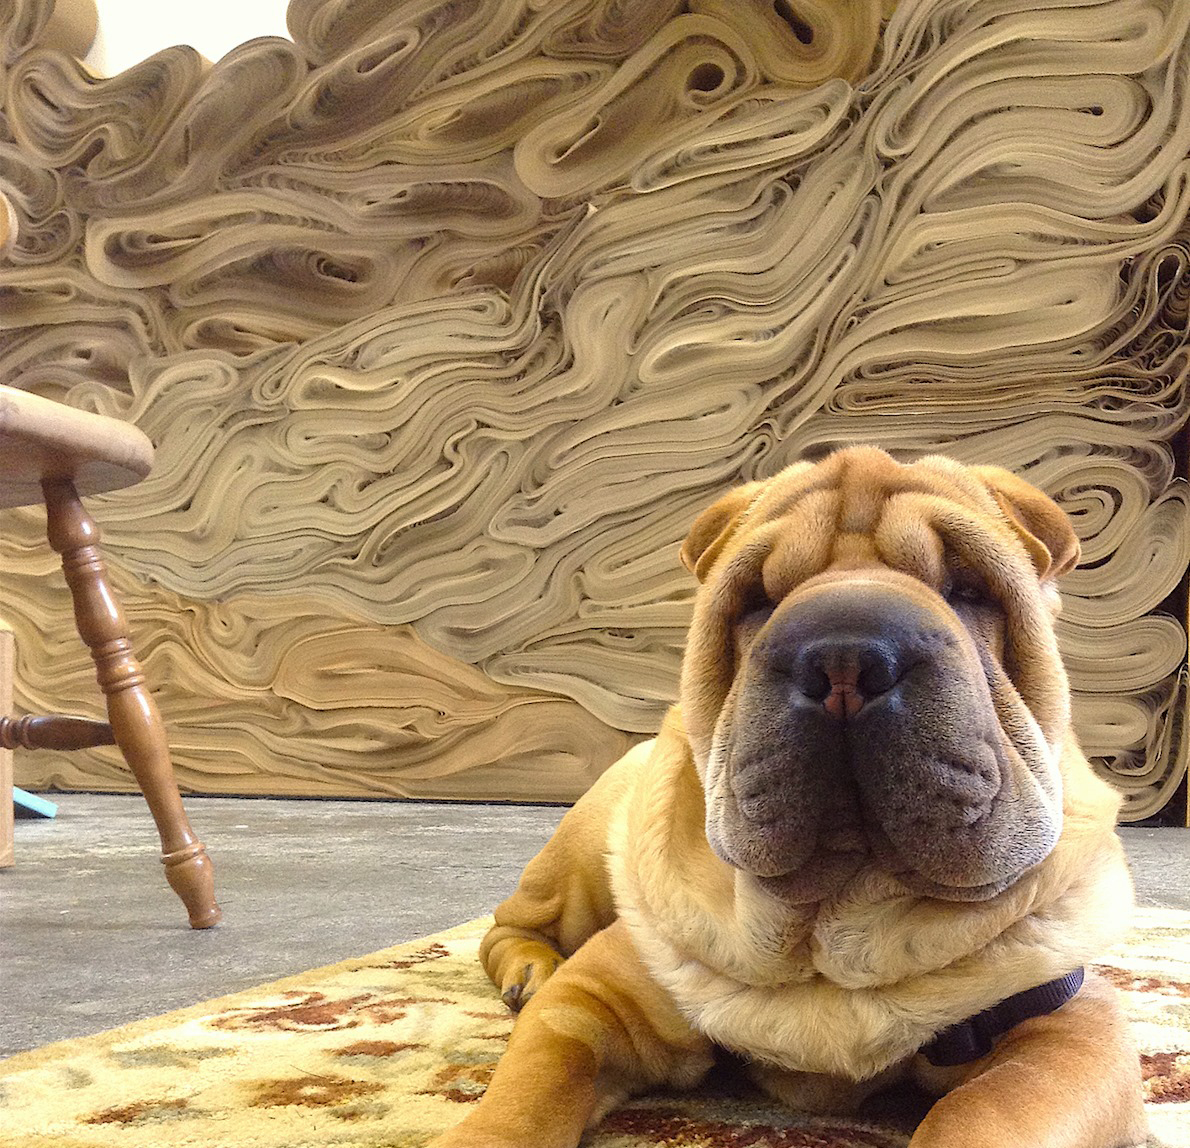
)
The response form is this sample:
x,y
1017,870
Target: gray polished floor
x,y
91,936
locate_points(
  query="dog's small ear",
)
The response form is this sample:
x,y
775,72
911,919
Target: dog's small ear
x,y
713,528
1040,523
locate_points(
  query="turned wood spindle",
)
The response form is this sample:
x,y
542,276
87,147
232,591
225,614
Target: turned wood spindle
x,y
54,731
135,721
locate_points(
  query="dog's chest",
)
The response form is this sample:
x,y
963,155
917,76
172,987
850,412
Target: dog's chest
x,y
807,994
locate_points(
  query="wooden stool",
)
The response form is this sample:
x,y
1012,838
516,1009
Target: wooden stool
x,y
53,453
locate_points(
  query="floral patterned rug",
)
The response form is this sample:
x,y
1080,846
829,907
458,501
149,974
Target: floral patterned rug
x,y
388,1049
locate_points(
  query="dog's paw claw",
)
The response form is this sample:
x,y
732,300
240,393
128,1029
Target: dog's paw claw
x,y
530,979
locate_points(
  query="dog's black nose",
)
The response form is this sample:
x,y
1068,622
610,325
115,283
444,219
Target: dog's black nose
x,y
844,674
845,645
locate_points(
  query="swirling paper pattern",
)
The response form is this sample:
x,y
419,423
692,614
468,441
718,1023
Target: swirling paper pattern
x,y
448,316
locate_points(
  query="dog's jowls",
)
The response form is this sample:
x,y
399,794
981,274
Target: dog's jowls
x,y
867,821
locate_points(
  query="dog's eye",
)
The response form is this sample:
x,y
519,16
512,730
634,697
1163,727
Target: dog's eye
x,y
756,610
966,589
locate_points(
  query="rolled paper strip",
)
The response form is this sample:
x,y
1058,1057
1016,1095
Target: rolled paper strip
x,y
8,225
72,26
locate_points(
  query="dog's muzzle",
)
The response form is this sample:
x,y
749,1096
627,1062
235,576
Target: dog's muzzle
x,y
865,712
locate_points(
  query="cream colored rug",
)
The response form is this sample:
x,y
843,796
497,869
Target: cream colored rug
x,y
388,1049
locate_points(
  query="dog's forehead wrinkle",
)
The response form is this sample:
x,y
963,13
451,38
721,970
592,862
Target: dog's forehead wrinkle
x,y
855,549
780,494
862,500
899,518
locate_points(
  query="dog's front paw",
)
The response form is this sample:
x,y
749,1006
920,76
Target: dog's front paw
x,y
524,970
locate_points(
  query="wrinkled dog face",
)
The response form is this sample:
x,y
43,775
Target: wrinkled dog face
x,y
872,673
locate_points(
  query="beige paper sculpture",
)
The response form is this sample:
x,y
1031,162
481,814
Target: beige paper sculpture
x,y
447,317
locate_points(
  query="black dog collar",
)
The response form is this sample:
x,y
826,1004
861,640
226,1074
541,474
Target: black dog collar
x,y
974,1037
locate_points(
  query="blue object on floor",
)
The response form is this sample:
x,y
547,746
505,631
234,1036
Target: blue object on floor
x,y
37,806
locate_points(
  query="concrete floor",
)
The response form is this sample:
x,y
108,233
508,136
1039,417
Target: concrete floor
x,y
92,937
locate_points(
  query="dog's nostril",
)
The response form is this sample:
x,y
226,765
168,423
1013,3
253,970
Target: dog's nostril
x,y
816,684
877,677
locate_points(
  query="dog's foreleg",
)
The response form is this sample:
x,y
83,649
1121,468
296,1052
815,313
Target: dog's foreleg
x,y
598,1031
563,897
1067,1080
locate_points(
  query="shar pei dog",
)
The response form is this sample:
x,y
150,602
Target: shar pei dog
x,y
864,850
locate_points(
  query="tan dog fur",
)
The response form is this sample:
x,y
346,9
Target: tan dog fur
x,y
639,949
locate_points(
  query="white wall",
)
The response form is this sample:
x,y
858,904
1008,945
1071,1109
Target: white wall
x,y
130,30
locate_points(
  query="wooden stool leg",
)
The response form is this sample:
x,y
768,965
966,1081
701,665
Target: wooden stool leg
x,y
135,720
6,828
